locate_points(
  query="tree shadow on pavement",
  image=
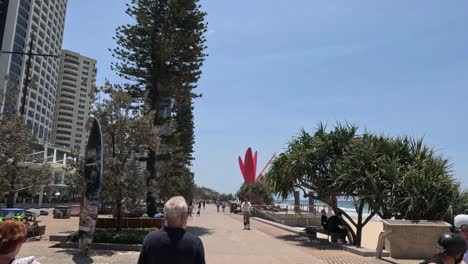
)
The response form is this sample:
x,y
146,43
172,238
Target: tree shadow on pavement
x,y
78,257
199,231
316,243
324,244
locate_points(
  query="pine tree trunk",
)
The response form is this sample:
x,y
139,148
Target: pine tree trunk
x,y
10,202
118,211
150,194
151,165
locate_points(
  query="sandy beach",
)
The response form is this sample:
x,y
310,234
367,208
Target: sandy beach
x,y
370,234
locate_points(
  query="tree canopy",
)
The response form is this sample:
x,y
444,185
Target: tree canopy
x,y
161,55
396,177
16,173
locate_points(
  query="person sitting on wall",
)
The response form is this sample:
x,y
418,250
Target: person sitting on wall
x,y
336,228
324,220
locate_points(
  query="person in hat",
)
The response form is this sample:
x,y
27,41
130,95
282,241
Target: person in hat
x,y
461,227
452,248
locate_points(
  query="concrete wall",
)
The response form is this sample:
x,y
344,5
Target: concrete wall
x,y
413,240
296,220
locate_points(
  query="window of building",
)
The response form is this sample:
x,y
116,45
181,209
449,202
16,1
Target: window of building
x,y
80,118
63,132
79,124
29,123
78,135
65,120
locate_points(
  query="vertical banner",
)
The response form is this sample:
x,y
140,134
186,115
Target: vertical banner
x,y
92,186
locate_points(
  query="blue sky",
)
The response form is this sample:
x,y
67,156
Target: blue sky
x,y
392,67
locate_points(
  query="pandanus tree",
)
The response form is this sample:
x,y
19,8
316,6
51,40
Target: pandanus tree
x,y
395,177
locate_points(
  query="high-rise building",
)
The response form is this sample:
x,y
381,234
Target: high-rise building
x,y
44,21
74,97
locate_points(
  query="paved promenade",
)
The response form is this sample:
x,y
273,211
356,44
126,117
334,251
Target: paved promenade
x,y
224,239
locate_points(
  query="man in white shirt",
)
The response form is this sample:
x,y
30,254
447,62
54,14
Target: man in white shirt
x,y
246,211
461,226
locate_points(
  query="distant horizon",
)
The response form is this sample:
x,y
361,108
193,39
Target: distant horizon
x,y
396,68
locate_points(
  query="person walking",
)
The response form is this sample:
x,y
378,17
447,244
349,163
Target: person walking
x,y
246,211
199,208
218,203
190,208
12,236
204,202
172,243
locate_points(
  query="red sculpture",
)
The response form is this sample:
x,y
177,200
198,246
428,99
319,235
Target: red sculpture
x,y
248,167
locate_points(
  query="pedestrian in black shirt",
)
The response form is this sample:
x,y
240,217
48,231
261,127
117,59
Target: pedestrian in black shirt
x,y
324,220
173,244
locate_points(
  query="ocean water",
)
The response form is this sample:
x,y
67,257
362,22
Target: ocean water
x,y
345,205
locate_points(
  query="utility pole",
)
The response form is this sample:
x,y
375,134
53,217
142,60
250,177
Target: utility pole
x,y
30,55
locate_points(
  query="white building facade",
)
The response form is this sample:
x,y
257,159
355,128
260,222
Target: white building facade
x,y
43,19
74,97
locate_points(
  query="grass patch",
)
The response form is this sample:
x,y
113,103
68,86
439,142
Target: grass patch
x,y
125,236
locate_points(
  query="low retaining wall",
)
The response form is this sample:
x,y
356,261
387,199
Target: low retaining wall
x,y
130,223
104,246
296,220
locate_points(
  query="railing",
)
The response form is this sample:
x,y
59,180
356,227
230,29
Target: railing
x,y
302,215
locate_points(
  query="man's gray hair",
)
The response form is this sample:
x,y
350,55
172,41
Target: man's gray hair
x,y
175,208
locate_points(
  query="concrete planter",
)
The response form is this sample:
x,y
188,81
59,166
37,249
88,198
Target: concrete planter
x,y
413,239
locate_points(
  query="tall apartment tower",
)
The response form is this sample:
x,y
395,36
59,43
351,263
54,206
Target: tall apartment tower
x,y
20,20
76,83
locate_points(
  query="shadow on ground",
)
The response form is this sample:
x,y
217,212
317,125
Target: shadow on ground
x,y
317,243
199,231
78,257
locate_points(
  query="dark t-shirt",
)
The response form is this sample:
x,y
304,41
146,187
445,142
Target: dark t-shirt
x,y
323,221
172,245
333,224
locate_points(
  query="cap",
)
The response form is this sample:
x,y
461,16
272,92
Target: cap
x,y
461,219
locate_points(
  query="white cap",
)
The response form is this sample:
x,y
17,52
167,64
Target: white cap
x,y
461,219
